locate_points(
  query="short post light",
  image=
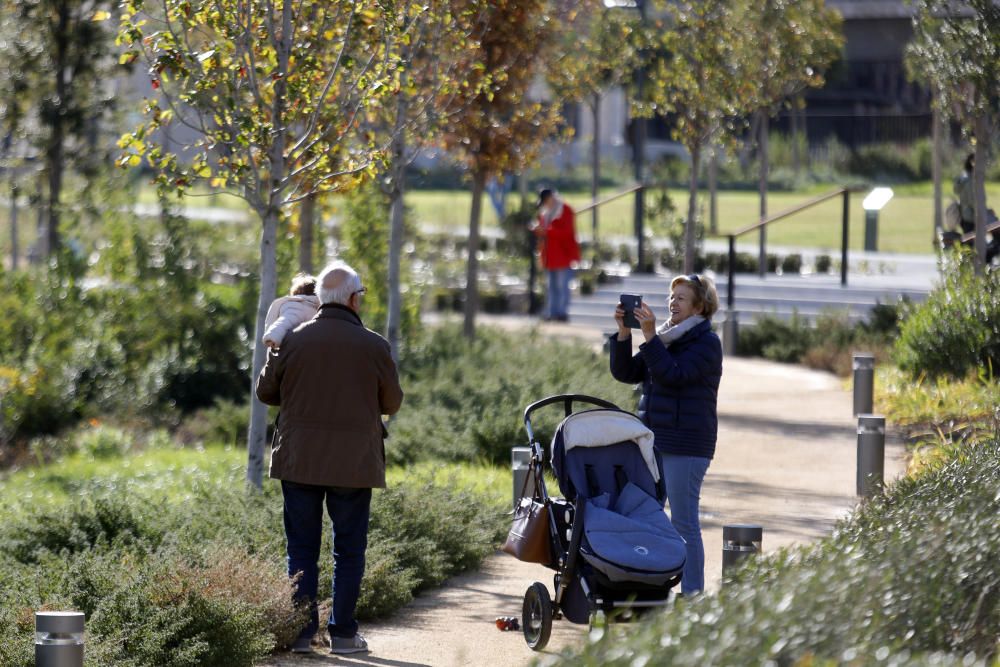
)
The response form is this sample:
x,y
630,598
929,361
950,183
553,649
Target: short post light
x,y
872,204
871,455
520,465
864,383
59,639
738,542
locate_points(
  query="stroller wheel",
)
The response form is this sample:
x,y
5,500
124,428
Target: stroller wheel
x,y
536,619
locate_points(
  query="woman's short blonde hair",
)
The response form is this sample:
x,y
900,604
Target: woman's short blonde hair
x,y
704,291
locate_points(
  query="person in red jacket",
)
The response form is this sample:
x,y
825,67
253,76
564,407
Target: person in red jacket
x,y
559,251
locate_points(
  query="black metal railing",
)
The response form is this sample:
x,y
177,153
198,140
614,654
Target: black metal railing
x,y
845,193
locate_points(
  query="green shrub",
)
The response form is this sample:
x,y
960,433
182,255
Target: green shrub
x,y
957,329
465,400
829,345
776,339
174,563
106,350
791,264
103,442
908,579
823,264
100,523
224,423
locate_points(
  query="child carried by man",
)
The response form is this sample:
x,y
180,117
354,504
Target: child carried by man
x,y
288,312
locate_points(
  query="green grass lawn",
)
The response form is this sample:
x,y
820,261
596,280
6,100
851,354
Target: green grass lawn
x,y
905,224
174,473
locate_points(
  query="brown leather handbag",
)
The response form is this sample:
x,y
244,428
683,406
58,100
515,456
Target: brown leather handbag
x,y
529,539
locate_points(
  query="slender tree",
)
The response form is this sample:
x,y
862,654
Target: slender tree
x,y
695,78
432,50
500,130
599,49
956,50
57,58
276,94
787,46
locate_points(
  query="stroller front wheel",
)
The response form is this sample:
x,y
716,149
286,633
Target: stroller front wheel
x,y
536,616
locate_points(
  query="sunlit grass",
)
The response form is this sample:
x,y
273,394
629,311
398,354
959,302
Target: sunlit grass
x,y
905,224
933,413
173,475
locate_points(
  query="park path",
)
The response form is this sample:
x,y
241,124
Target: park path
x,y
785,460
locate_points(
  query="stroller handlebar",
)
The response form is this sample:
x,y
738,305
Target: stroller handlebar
x,y
567,400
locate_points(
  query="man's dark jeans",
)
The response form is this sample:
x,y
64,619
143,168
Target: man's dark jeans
x,y
349,510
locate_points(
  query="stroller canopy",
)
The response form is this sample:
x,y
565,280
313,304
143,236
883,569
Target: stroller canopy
x,y
605,463
600,428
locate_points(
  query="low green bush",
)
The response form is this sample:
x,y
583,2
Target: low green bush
x,y
791,264
465,400
146,348
776,339
908,579
957,329
174,563
829,344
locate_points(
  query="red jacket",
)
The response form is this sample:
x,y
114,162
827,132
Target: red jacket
x,y
558,246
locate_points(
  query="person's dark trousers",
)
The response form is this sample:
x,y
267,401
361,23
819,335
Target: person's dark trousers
x,y
349,511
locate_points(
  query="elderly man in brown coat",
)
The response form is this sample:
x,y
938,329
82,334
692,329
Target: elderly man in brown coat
x,y
333,379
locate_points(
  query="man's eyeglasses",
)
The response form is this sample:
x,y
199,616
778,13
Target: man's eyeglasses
x,y
362,291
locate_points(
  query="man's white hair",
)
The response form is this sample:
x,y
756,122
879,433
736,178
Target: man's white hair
x,y
336,283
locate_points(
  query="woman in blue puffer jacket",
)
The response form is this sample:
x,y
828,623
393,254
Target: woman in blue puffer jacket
x,y
679,366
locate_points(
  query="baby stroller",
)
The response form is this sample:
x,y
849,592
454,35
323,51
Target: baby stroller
x,y
613,549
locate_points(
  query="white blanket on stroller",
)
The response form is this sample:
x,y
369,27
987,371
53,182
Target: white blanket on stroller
x,y
600,428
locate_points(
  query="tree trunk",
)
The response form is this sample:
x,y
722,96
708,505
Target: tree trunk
x,y
270,214
936,172
744,154
472,266
983,136
396,232
307,223
257,434
762,189
54,153
595,169
713,191
689,224
797,143
41,249
14,246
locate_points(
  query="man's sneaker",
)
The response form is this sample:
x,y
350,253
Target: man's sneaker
x,y
302,645
344,645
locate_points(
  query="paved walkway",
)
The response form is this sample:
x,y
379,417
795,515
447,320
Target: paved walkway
x,y
785,460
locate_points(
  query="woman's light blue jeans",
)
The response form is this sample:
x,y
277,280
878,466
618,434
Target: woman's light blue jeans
x,y
683,476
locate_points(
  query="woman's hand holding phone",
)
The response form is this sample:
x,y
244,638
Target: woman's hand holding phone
x,y
647,321
625,314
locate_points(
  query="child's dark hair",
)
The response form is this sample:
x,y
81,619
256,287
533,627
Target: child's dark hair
x,y
303,285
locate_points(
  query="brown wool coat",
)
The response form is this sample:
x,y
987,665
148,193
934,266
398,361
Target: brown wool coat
x,y
333,380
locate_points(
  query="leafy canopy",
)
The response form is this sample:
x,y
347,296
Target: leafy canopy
x,y
278,92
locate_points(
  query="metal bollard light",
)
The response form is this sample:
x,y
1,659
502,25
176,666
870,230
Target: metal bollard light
x,y
864,383
871,455
59,639
730,333
738,542
520,464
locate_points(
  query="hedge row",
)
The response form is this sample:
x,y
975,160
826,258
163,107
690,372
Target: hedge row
x,y
176,565
911,579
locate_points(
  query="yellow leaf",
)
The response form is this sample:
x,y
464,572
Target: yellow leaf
x,y
101,16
